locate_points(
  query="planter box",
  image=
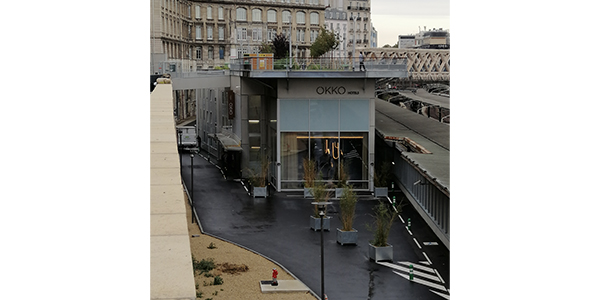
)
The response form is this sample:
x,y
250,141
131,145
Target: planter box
x,y
315,223
347,237
308,193
381,253
259,191
381,192
339,192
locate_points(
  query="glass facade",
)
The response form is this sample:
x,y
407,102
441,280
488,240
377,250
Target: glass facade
x,y
329,132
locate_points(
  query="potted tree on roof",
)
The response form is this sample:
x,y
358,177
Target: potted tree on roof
x,y
379,249
380,178
347,235
258,181
321,195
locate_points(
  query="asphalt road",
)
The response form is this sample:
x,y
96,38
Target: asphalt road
x,y
278,227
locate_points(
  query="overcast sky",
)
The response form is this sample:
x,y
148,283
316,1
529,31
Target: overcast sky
x,y
393,17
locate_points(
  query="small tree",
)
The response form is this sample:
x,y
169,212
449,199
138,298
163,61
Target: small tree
x,y
382,176
320,193
384,217
347,208
280,46
325,42
309,166
266,48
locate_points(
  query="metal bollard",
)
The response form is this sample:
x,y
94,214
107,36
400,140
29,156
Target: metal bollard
x,y
408,223
411,276
394,201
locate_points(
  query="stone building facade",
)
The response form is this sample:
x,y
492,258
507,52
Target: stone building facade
x,y
199,35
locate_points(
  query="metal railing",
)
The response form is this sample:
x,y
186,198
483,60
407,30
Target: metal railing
x,y
321,64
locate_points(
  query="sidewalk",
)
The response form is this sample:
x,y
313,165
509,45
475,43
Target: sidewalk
x,y
278,228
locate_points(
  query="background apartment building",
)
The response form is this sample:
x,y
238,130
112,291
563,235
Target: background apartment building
x,y
351,20
196,35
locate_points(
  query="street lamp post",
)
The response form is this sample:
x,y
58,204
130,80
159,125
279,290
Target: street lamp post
x,y
192,185
322,207
290,42
353,41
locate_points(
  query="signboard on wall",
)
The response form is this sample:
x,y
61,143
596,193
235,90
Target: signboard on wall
x,y
230,105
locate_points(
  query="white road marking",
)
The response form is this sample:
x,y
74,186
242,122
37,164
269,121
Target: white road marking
x,y
415,272
424,262
430,243
408,230
401,219
423,282
426,257
440,294
416,266
440,276
417,243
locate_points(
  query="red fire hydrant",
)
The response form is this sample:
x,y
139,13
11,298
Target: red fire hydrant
x,y
275,277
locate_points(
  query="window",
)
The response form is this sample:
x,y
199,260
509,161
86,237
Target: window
x,y
285,16
300,35
242,34
314,18
198,12
209,32
189,11
241,14
220,12
271,33
313,35
198,32
221,33
272,15
209,13
199,53
221,52
300,17
256,15
210,52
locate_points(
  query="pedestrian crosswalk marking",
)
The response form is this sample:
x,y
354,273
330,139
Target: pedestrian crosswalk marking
x,y
440,294
416,266
430,243
423,282
415,272
422,275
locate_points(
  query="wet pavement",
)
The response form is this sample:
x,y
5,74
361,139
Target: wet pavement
x,y
278,227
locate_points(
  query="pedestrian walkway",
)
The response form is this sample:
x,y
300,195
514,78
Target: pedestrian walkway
x,y
278,228
171,274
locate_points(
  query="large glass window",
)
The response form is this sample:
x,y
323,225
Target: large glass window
x,y
331,133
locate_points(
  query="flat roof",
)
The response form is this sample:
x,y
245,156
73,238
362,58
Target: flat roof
x,y
423,96
395,122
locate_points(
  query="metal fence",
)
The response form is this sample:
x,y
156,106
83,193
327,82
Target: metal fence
x,y
321,64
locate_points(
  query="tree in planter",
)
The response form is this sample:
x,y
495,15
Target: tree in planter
x,y
342,176
347,235
320,193
384,217
280,46
259,180
310,172
325,41
347,208
382,176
